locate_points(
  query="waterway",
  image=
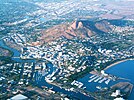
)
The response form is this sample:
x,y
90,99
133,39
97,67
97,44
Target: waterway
x,y
15,52
124,70
40,80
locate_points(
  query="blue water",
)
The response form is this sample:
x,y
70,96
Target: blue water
x,y
124,70
42,81
15,52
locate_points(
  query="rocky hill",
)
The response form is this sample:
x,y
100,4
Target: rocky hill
x,y
81,28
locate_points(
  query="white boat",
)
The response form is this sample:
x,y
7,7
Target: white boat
x,y
92,76
107,82
84,87
93,79
98,87
102,80
97,79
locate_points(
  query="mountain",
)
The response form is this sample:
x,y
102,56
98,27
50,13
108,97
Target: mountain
x,y
79,28
104,26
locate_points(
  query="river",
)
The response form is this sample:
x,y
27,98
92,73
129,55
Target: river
x,y
42,82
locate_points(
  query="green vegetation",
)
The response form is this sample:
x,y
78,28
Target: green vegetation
x,y
5,60
79,74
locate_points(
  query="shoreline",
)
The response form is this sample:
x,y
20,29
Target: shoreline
x,y
118,62
111,65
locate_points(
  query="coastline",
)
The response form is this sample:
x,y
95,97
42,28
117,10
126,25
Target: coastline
x,y
111,65
118,62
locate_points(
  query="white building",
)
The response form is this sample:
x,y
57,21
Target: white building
x,y
19,97
116,93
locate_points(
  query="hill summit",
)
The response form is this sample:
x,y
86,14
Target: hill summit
x,y
78,28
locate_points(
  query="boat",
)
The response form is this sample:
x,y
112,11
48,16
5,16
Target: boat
x,y
102,80
98,87
93,79
97,79
92,76
107,82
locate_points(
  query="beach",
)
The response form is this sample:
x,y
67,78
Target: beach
x,y
94,72
116,63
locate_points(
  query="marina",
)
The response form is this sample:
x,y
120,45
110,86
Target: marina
x,y
99,82
107,81
40,78
99,79
93,79
102,80
92,76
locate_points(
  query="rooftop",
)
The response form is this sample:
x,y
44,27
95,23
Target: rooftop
x,y
19,97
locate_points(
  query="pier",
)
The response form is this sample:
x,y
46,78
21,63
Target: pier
x,y
99,79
